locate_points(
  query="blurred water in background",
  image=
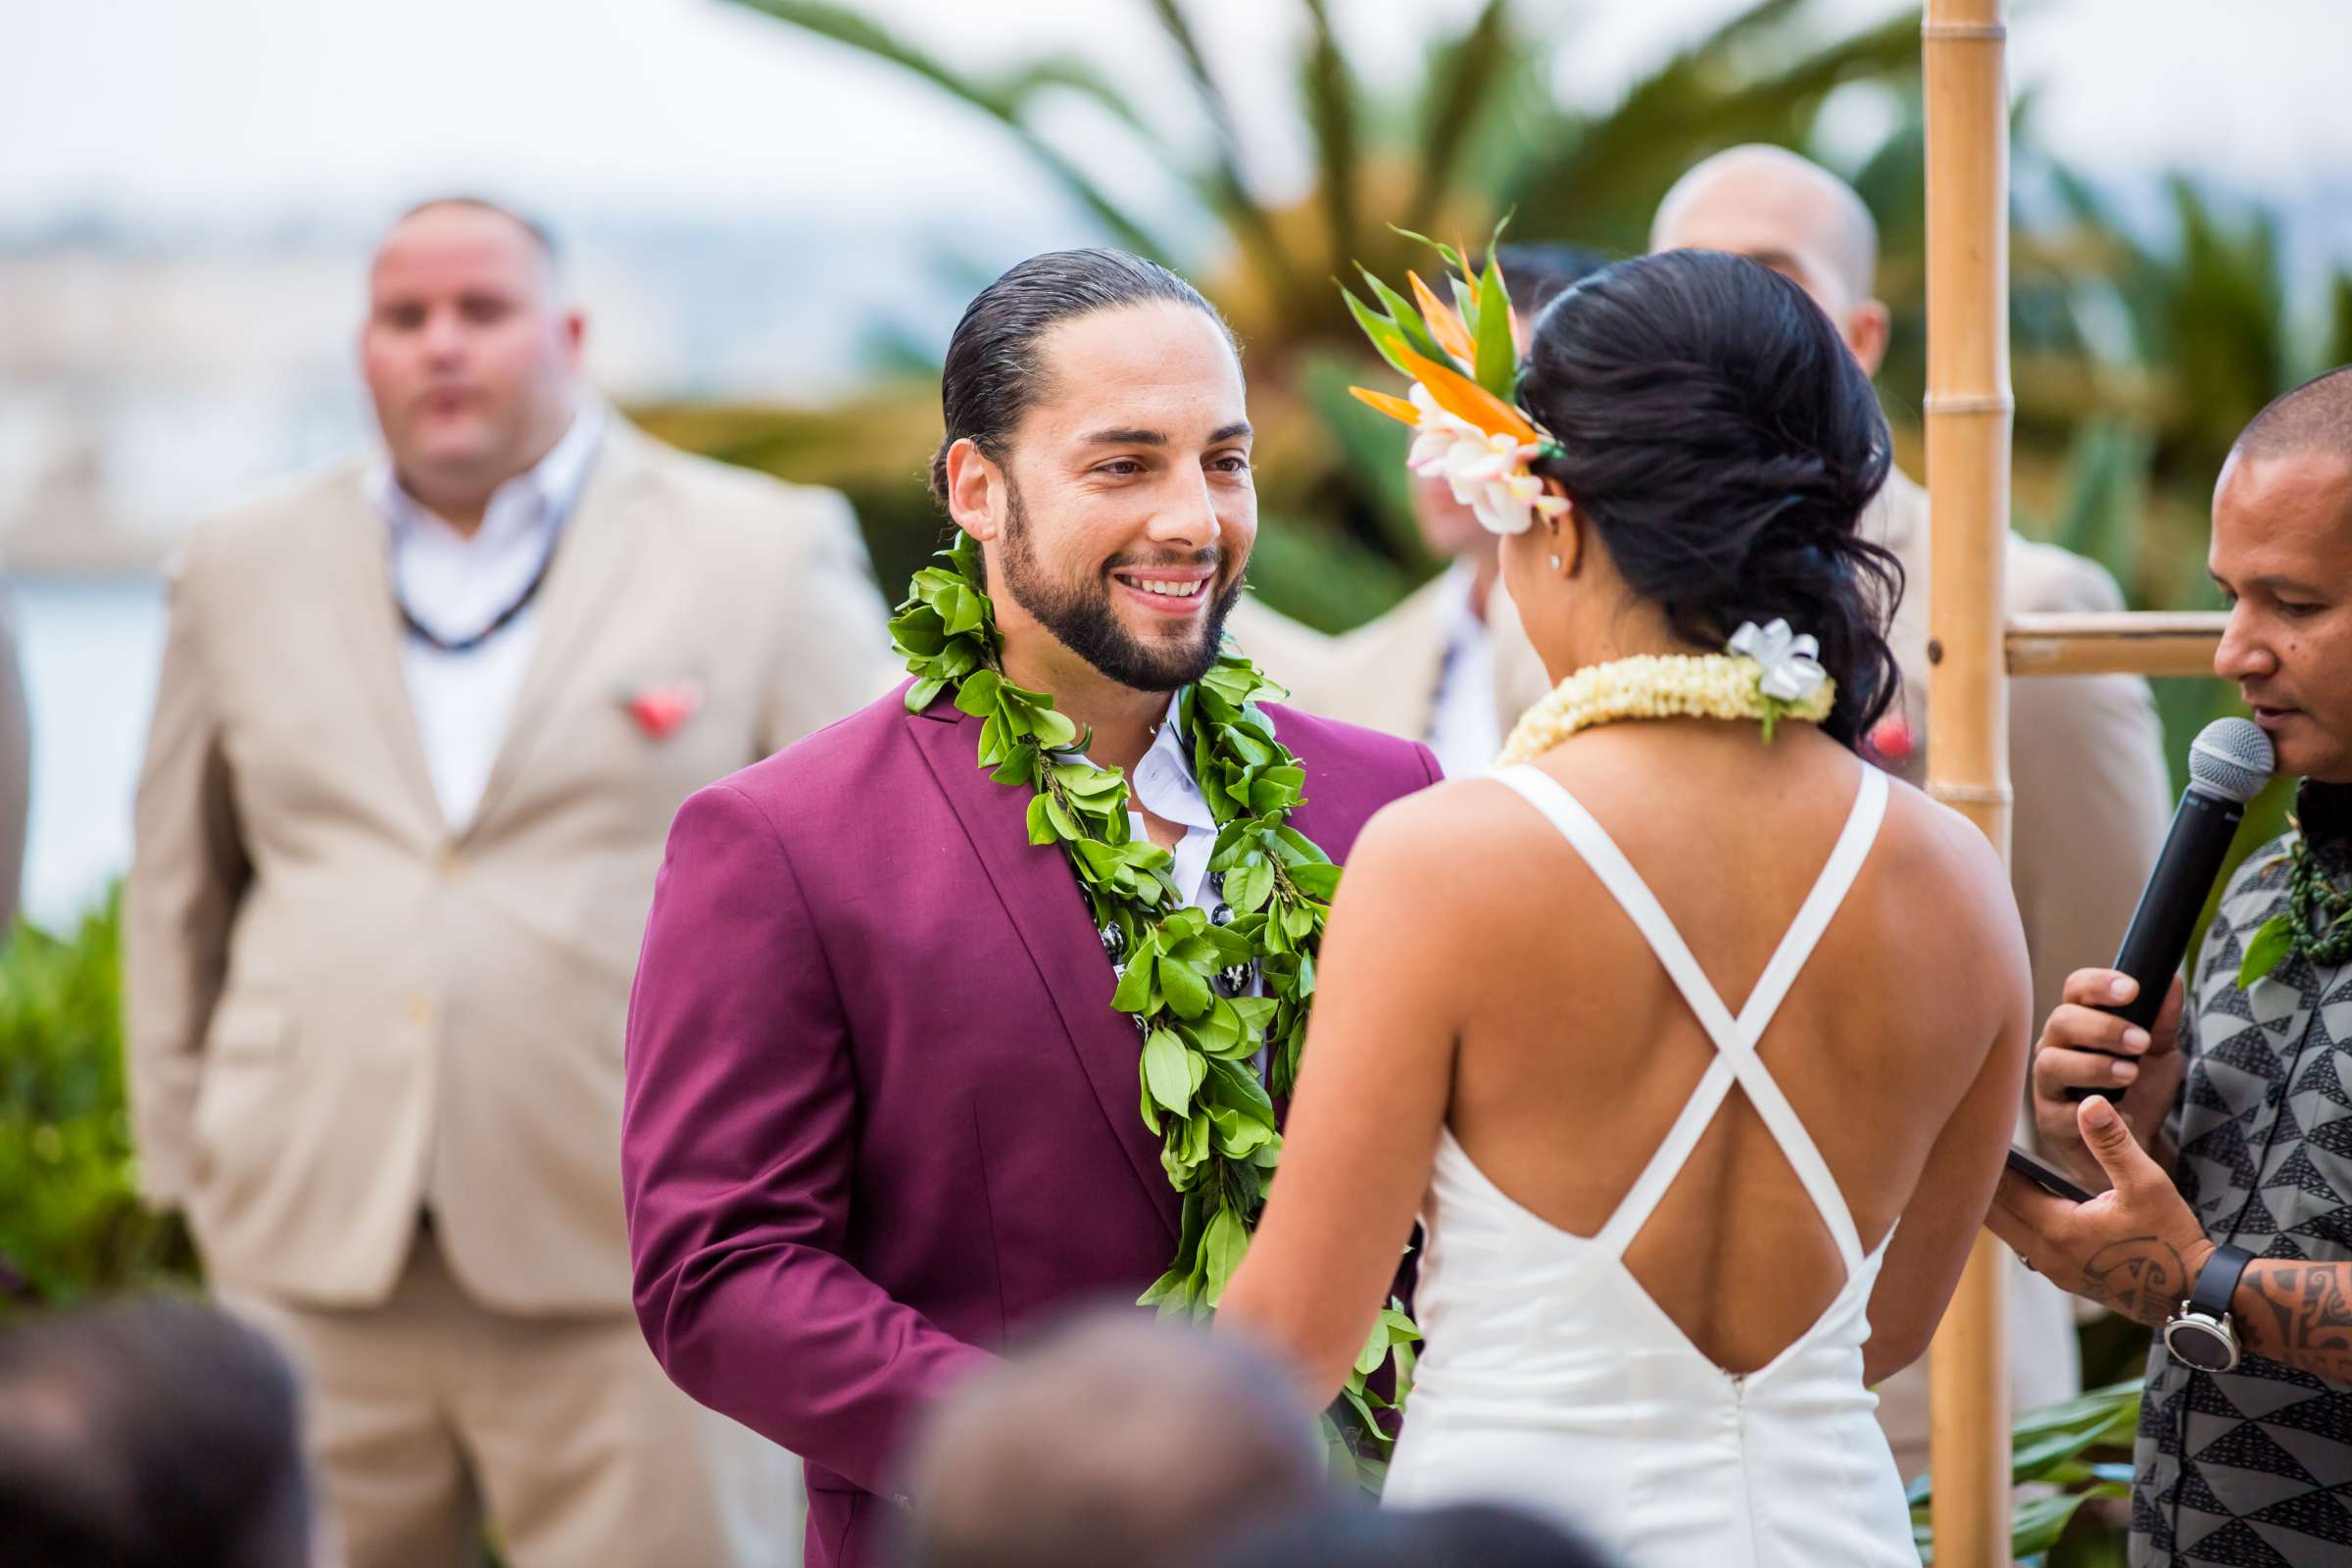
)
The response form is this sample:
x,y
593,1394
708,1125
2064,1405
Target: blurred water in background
x,y
92,646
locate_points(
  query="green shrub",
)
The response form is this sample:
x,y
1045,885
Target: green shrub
x,y
70,1221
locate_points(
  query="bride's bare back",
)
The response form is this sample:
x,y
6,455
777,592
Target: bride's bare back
x,y
1477,975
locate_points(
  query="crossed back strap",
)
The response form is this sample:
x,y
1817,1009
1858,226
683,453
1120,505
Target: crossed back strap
x,y
1735,1038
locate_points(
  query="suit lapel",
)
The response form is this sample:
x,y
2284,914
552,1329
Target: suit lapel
x,y
582,583
1041,898
359,578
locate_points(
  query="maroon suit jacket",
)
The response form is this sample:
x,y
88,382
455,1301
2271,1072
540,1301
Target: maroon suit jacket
x,y
880,1114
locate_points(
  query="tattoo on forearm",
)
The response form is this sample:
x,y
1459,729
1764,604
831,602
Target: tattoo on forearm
x,y
2306,1319
2141,1277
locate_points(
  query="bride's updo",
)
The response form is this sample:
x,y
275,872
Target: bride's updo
x,y
1724,443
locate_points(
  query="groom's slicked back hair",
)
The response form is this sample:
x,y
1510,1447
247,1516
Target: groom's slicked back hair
x,y
992,374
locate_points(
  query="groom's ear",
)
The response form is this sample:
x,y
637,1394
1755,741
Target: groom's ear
x,y
975,486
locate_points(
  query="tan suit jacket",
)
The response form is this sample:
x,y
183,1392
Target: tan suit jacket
x,y
2087,762
342,1011
1384,674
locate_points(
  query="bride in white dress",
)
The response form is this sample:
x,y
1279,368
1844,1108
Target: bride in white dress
x,y
1693,1054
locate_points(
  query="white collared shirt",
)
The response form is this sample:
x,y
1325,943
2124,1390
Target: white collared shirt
x,y
1162,783
1465,731
455,586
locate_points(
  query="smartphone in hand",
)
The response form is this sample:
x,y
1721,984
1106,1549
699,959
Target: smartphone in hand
x,y
2049,1180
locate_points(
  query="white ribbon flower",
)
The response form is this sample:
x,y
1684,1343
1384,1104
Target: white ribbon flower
x,y
1789,665
1488,474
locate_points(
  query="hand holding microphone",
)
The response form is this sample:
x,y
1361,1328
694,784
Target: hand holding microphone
x,y
2117,1033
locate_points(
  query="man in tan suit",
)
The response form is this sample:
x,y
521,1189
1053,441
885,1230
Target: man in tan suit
x,y
421,728
2085,753
1449,663
16,770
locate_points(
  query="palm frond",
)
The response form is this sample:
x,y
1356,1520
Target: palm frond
x,y
1073,76
1001,101
1329,89
2339,320
1609,171
1463,74
1224,185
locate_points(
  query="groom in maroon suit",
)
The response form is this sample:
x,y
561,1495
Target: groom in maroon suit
x,y
881,1112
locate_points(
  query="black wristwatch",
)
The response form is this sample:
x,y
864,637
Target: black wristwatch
x,y
2201,1334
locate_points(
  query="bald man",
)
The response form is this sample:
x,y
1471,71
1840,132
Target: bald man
x,y
423,723
2085,753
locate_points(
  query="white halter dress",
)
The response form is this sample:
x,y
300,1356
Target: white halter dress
x,y
1554,1382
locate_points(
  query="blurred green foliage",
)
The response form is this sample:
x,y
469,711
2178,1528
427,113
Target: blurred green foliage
x,y
71,1223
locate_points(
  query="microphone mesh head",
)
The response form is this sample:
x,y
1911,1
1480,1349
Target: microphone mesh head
x,y
2230,758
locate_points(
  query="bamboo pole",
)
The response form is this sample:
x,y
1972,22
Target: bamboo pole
x,y
2166,643
1967,413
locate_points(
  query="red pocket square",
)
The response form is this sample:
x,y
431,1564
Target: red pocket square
x,y
660,706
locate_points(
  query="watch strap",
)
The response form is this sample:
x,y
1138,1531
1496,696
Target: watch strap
x,y
2217,1281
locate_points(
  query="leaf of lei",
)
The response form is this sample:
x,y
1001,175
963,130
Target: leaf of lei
x,y
1195,1087
2266,951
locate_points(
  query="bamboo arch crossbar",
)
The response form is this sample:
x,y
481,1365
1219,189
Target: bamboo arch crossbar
x,y
2145,644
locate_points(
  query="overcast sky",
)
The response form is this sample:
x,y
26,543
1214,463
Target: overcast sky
x,y
232,109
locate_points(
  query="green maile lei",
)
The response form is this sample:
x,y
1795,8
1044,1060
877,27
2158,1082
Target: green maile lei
x,y
1198,1087
2317,922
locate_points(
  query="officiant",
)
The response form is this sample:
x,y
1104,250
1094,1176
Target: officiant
x,y
2224,1168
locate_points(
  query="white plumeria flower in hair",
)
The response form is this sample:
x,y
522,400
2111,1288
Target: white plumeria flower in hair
x,y
1789,666
1488,474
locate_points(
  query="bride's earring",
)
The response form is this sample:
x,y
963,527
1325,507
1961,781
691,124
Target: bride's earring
x,y
1555,563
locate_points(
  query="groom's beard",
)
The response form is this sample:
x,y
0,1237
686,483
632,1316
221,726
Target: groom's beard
x,y
1080,614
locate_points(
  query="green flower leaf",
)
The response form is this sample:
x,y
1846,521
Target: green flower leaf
x,y
1498,354
1247,887
966,610
1166,1070
923,693
978,694
1387,336
1316,881
1187,990
2266,951
1222,1248
1041,824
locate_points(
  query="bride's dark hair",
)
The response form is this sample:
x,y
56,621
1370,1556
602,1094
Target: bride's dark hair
x,y
1724,444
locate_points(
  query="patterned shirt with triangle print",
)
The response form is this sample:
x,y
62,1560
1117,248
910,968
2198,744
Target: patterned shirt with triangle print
x,y
2255,1466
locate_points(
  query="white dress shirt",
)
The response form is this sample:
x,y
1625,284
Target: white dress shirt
x,y
1162,783
1464,729
455,586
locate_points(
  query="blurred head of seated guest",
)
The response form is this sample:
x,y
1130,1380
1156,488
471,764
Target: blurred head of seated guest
x,y
1120,1438
1771,205
470,355
148,1434
1460,1536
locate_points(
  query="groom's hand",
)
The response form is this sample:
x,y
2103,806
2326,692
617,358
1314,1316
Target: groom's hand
x,y
2136,1247
2082,1048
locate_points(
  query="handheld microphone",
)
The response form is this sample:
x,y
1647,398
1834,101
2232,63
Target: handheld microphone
x,y
2228,763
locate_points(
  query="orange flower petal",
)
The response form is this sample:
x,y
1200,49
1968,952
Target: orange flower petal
x,y
1444,324
1395,408
1459,395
